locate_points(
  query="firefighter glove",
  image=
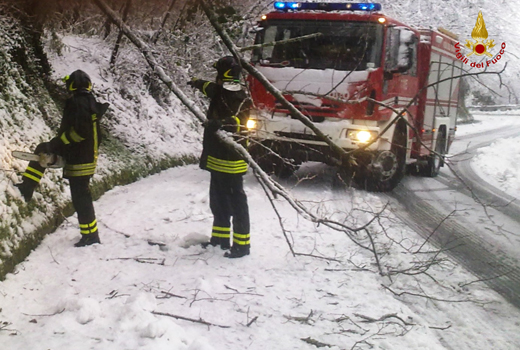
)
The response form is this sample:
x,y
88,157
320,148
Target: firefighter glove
x,y
212,125
192,82
55,146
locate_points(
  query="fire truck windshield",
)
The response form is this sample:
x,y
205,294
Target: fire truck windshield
x,y
339,45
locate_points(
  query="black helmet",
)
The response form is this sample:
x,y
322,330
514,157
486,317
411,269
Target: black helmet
x,y
228,70
78,81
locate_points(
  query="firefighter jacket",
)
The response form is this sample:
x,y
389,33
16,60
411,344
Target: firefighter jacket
x,y
230,110
79,134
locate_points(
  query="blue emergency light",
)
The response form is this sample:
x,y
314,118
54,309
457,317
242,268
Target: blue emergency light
x,y
327,6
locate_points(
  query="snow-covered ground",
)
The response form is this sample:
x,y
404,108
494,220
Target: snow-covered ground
x,y
498,164
132,291
118,295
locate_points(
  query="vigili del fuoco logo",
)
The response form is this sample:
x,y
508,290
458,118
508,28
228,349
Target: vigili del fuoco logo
x,y
479,46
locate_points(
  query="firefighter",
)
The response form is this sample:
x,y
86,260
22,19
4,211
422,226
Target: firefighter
x,y
228,110
77,142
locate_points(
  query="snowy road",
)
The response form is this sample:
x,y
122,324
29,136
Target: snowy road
x,y
478,223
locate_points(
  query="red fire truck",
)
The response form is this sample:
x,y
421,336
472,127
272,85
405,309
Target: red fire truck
x,y
351,70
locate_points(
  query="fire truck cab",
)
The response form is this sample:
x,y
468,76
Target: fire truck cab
x,y
383,91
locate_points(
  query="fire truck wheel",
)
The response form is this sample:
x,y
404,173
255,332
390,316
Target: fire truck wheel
x,y
388,167
436,160
273,165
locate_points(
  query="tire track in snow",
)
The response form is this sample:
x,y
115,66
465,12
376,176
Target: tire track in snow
x,y
462,237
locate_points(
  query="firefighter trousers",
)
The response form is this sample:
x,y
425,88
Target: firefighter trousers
x,y
82,201
228,201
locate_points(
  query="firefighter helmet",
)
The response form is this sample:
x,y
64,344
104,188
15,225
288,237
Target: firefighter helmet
x,y
78,81
228,70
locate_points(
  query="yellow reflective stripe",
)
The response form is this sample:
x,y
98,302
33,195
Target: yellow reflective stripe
x,y
63,138
85,229
226,170
226,166
204,88
241,167
80,169
95,138
227,74
92,224
220,235
226,229
239,242
31,169
238,235
79,173
80,166
31,177
229,163
238,122
86,232
75,136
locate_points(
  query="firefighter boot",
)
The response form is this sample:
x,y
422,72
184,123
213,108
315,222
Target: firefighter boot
x,y
88,239
215,241
26,188
237,251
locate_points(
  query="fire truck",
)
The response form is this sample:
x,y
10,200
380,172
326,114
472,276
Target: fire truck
x,y
381,90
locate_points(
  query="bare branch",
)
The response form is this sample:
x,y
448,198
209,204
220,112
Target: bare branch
x,y
281,42
316,343
383,318
200,320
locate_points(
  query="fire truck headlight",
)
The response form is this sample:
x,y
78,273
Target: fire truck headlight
x,y
362,136
252,124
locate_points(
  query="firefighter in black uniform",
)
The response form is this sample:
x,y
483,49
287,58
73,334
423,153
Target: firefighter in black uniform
x,y
228,110
77,141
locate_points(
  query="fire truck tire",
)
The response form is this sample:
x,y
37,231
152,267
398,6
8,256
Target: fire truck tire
x,y
282,168
394,167
273,164
436,160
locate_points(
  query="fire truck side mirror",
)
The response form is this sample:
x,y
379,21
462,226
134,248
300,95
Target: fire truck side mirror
x,y
255,29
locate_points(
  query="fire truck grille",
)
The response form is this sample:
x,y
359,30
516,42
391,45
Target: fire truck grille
x,y
317,114
294,135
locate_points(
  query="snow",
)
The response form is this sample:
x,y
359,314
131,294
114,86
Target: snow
x,y
499,163
295,79
118,294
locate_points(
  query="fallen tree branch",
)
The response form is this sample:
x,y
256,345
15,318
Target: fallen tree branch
x,y
200,320
427,296
168,294
252,321
147,53
316,343
462,285
301,319
368,319
281,42
45,315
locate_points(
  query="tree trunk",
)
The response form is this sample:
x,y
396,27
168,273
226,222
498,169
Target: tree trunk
x,y
163,22
120,35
